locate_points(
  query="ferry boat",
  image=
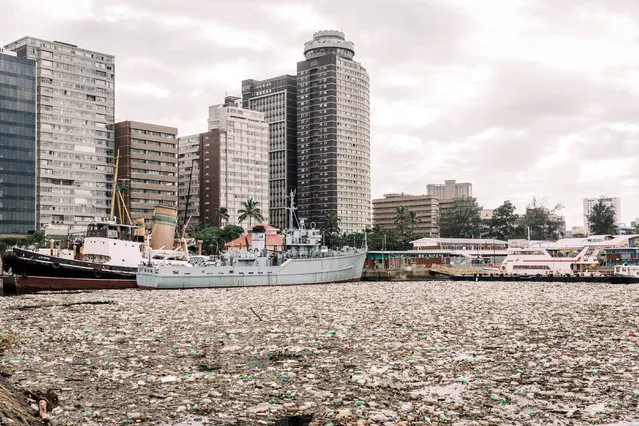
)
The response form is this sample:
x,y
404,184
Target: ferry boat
x,y
579,257
551,260
303,261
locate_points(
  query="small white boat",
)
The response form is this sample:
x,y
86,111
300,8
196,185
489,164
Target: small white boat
x,y
631,271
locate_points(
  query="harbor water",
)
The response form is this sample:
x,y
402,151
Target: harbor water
x,y
358,353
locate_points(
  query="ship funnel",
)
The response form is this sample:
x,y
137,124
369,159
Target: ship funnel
x,y
258,238
163,230
141,231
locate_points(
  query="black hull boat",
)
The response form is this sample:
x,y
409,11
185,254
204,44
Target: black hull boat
x,y
36,272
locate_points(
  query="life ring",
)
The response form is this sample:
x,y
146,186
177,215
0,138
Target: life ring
x,y
97,273
55,265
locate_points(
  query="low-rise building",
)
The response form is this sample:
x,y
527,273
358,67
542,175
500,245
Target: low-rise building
x,y
450,190
274,241
426,208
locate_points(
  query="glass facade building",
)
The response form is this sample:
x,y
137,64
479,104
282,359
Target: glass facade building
x,y
17,145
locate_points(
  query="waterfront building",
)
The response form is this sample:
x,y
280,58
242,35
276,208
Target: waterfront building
x,y
333,132
426,208
198,185
450,190
17,145
589,203
277,99
75,109
236,159
147,166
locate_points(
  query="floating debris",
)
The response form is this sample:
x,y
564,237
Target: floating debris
x,y
364,353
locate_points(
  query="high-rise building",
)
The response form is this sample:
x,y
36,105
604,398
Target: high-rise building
x,y
147,166
199,179
450,190
76,101
277,99
333,132
426,210
239,157
589,203
17,144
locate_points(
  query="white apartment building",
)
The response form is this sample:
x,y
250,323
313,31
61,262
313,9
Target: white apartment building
x,y
450,190
243,157
75,110
589,203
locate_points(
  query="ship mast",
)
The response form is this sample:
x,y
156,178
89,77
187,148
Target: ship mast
x,y
115,183
291,210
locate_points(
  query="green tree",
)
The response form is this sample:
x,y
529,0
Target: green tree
x,y
213,238
250,211
601,220
330,230
222,215
400,220
382,239
462,220
503,224
412,221
544,224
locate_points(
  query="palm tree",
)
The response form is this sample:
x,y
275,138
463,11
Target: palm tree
x,y
401,221
330,224
222,215
330,227
412,221
250,210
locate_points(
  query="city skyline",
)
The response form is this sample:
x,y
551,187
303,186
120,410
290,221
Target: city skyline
x,y
516,98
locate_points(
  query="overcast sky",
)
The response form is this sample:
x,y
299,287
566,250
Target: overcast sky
x,y
522,98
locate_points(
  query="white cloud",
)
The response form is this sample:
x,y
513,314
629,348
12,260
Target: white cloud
x,y
605,170
142,88
562,152
405,114
301,17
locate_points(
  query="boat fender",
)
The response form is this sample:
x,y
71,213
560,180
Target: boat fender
x,y
97,273
55,265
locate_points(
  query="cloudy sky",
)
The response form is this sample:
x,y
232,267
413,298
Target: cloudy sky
x,y
522,98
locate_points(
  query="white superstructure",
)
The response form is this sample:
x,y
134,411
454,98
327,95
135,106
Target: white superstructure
x,y
568,256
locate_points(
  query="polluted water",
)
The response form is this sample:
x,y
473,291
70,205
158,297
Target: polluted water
x,y
401,353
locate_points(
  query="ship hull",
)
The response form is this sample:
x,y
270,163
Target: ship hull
x,y
33,284
38,272
302,271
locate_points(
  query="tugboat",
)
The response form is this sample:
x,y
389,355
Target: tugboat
x,y
106,258
303,261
